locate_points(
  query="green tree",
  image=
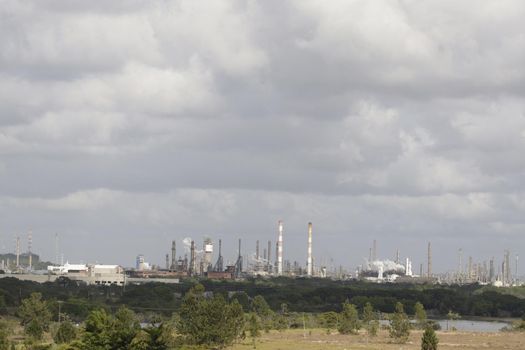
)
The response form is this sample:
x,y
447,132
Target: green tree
x,y
35,315
349,319
281,319
429,341
420,315
106,332
65,333
370,320
124,328
254,327
154,337
452,316
399,325
209,322
263,311
98,329
329,320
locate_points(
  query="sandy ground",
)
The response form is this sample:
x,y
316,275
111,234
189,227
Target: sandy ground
x,y
317,339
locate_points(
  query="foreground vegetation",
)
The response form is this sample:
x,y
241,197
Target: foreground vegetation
x,y
63,317
300,295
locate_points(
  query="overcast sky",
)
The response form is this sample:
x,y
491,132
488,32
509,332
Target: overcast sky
x,y
124,125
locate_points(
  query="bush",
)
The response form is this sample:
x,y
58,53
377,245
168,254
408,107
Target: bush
x,y
429,341
349,320
65,333
399,325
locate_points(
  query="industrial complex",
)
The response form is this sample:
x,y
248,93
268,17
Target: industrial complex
x,y
198,260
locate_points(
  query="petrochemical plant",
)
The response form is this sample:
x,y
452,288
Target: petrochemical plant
x,y
195,262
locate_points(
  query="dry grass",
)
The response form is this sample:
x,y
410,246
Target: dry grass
x,y
318,339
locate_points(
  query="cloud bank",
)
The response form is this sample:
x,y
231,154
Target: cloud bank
x,y
140,122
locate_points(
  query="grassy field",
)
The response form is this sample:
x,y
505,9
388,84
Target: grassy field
x,y
318,339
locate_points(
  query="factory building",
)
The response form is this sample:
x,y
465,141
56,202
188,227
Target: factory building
x,y
90,273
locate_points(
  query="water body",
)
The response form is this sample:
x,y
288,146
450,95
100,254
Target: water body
x,y
473,326
467,325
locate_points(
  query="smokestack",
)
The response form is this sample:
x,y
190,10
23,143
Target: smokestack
x,y
18,251
280,249
491,270
167,261
429,262
257,250
469,267
309,269
239,248
397,256
193,262
173,255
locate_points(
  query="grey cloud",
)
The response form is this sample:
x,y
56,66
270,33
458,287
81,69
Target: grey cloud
x,y
142,121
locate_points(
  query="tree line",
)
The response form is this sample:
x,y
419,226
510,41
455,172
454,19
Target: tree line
x,y
203,321
300,295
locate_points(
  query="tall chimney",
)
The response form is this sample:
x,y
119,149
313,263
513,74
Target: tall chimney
x,y
173,256
280,249
193,262
257,251
309,267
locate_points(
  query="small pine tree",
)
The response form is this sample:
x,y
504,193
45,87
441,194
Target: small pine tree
x,y
329,320
429,341
399,325
349,319
261,308
420,315
370,321
35,315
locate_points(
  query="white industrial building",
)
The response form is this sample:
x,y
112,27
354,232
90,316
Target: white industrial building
x,y
90,273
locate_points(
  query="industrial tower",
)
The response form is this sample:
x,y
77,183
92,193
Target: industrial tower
x,y
280,249
309,267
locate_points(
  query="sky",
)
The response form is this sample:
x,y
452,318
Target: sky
x,y
125,125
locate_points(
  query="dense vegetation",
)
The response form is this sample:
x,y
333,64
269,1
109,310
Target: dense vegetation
x,y
191,315
300,295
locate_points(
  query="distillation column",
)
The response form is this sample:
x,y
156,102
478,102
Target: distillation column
x,y
309,267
